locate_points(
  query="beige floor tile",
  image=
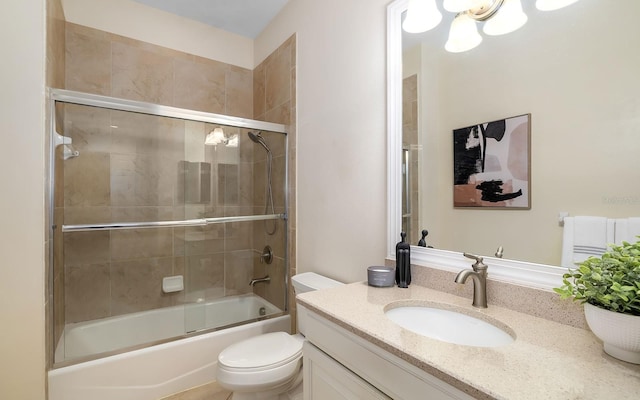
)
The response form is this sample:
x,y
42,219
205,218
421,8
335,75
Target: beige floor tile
x,y
210,391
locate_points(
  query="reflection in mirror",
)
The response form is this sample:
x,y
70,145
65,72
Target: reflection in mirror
x,y
575,70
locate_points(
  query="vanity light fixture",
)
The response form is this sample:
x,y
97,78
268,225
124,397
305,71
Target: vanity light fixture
x,y
215,137
499,17
508,18
463,34
422,15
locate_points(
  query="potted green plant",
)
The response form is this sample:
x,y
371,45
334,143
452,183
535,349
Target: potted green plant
x,y
609,288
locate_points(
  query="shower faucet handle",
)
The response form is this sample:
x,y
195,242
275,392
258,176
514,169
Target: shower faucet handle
x,y
267,255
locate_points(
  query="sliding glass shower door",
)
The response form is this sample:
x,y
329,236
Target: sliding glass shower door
x,y
160,222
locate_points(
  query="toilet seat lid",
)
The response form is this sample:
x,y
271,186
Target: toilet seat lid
x,y
267,350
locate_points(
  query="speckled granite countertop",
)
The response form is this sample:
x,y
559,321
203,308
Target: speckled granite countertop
x,y
547,360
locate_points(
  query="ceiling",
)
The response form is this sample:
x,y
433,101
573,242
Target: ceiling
x,y
244,17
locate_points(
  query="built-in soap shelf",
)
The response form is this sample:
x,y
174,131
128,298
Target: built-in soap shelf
x,y
171,284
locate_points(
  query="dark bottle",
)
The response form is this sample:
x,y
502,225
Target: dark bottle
x,y
403,262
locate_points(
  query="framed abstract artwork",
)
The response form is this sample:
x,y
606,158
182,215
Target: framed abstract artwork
x,y
492,164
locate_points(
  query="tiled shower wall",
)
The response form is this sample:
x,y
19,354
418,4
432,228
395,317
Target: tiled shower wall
x,y
97,262
274,83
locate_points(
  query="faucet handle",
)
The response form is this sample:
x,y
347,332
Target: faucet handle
x,y
478,264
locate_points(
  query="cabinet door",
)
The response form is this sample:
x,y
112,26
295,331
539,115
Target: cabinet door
x,y
325,378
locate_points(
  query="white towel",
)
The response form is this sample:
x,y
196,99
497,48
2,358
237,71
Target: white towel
x,y
627,229
584,237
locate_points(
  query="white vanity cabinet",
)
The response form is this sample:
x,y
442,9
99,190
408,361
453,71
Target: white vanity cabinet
x,y
325,378
341,365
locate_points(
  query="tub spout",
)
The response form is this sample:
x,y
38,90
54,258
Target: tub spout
x,y
479,276
258,280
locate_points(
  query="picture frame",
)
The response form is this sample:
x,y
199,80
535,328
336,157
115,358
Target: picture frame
x,y
492,164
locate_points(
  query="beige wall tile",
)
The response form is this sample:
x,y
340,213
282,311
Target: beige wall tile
x,y
137,285
238,236
87,61
87,248
275,290
143,180
276,241
142,214
229,184
259,91
276,142
200,86
88,127
238,271
239,90
87,215
141,75
87,289
278,170
245,185
55,44
200,240
141,244
278,79
135,134
280,114
260,185
87,180
246,146
204,277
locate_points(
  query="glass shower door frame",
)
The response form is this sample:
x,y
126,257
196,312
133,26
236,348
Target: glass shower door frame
x,y
85,99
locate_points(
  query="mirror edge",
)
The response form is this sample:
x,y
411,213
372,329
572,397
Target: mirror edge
x,y
534,275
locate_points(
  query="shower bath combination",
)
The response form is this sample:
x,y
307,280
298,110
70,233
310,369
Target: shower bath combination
x,y
89,304
258,138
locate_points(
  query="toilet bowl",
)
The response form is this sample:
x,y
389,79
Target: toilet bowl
x,y
268,366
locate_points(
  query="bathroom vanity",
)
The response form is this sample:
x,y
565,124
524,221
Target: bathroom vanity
x,y
355,351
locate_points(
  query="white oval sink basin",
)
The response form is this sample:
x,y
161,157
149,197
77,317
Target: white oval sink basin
x,y
449,326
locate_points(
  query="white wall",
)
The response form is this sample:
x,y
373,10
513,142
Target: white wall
x,y
341,151
22,327
151,25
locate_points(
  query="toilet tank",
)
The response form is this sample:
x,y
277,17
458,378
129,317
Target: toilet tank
x,y
310,281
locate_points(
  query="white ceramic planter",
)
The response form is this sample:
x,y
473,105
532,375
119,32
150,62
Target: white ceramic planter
x,y
619,332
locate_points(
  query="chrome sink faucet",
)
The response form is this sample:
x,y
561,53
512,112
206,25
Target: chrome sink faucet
x,y
479,276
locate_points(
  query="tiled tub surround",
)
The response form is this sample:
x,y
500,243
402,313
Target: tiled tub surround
x,y
104,63
131,169
108,64
547,360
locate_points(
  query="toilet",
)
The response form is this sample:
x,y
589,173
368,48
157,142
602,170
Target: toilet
x,y
269,366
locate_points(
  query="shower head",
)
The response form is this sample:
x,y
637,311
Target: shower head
x,y
257,138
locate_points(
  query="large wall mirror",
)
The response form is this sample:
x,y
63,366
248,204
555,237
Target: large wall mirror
x,y
574,70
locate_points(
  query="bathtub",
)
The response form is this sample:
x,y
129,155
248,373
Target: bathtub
x,y
156,371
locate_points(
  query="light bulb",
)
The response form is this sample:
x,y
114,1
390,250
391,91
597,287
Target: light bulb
x,y
461,5
463,34
508,18
422,15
